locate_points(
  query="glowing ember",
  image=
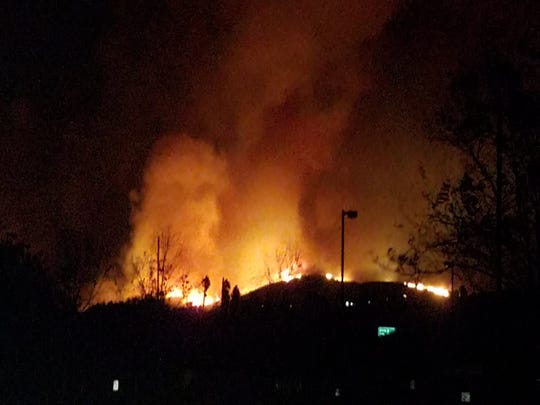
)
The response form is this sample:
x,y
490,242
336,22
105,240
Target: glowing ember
x,y
440,291
194,298
330,277
175,293
286,276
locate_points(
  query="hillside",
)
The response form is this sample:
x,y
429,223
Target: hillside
x,y
291,343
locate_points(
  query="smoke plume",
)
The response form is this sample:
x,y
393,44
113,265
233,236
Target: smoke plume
x,y
239,128
271,115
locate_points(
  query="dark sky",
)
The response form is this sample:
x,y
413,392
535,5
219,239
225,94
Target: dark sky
x,y
283,113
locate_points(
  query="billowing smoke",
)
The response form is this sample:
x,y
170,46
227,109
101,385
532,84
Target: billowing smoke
x,y
236,127
270,118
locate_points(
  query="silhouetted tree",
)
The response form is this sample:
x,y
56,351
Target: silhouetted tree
x,y
26,289
225,295
153,272
31,327
79,267
91,290
287,263
206,285
144,274
484,225
235,300
185,286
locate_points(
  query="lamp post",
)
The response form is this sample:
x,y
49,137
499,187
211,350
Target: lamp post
x,y
349,214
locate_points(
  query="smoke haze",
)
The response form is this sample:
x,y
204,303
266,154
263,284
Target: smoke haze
x,y
271,115
239,127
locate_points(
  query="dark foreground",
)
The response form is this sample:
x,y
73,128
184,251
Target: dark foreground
x,y
285,344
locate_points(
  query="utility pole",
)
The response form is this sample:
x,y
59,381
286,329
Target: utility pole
x,y
349,214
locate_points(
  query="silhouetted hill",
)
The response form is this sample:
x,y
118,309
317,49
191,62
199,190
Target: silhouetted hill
x,y
314,295
293,343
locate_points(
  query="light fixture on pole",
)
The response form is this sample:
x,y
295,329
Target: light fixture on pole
x,y
349,214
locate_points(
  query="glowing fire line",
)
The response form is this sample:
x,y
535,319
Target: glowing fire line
x,y
440,291
195,297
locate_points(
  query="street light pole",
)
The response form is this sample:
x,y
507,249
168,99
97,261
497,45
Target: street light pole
x,y
349,214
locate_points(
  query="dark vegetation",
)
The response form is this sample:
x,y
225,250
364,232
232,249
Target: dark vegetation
x,y
284,343
484,225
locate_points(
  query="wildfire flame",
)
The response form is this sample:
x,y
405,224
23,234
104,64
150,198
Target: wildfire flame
x,y
232,189
286,275
439,291
175,293
195,298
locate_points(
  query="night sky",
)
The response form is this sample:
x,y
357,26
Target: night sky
x,y
233,123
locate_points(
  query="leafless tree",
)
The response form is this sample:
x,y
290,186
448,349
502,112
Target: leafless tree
x,y
225,295
89,294
288,259
79,267
153,272
484,225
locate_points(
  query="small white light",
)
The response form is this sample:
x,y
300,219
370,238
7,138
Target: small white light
x,y
412,385
466,397
115,385
405,296
337,393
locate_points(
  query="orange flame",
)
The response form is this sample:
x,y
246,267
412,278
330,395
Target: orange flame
x,y
195,298
268,124
439,291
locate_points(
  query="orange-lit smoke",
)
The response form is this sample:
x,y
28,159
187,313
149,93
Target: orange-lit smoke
x,y
180,199
269,119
